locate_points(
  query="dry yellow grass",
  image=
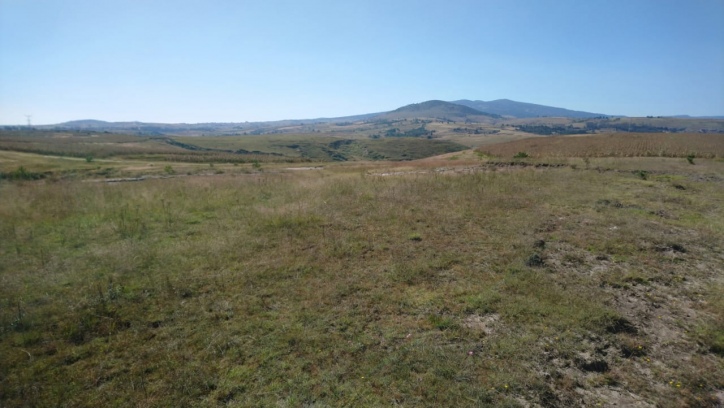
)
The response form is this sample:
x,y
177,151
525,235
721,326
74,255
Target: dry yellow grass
x,y
614,145
548,286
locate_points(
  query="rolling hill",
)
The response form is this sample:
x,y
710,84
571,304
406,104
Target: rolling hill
x,y
374,123
438,110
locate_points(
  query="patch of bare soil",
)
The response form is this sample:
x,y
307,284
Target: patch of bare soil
x,y
484,324
304,168
653,350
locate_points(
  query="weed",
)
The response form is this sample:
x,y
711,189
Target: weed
x,y
535,261
632,347
19,323
711,338
441,322
21,174
128,222
642,174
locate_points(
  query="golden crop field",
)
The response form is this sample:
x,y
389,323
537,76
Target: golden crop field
x,y
615,145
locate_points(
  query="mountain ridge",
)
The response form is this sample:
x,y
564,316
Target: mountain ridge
x,y
463,110
497,111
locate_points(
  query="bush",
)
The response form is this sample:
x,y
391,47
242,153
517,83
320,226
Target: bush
x,y
21,174
521,155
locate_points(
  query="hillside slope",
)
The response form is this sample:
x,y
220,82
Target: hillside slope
x,y
506,107
436,109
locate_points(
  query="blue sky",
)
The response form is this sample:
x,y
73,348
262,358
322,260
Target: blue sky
x,y
235,61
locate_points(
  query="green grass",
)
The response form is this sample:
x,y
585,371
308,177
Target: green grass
x,y
82,144
344,288
325,148
292,145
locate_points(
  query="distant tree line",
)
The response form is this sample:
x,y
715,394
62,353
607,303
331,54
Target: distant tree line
x,y
550,130
631,127
476,131
416,132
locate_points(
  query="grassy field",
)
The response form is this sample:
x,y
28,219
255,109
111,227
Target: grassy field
x,y
295,145
82,144
614,145
325,148
690,125
287,148
458,281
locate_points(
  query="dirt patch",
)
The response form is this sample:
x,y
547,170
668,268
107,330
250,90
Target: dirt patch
x,y
485,324
489,166
303,168
611,397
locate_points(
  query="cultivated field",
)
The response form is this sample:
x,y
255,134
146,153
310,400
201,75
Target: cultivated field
x,y
615,145
456,281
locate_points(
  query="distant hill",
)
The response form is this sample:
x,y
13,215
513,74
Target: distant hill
x,y
458,111
508,108
140,127
95,125
438,110
91,123
695,117
195,128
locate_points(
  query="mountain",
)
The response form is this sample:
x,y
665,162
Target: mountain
x,y
437,110
92,124
86,123
508,108
456,111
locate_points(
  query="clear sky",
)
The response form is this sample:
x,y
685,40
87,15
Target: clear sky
x,y
255,60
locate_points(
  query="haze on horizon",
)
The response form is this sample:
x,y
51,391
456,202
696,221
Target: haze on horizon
x,y
228,61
